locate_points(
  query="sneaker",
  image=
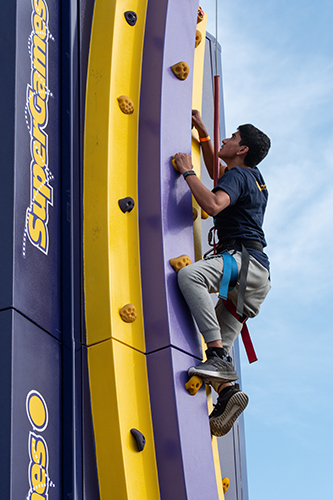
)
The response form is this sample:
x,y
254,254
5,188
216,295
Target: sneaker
x,y
230,404
216,368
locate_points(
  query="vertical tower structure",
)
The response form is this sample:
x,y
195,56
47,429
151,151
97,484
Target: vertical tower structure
x,y
95,407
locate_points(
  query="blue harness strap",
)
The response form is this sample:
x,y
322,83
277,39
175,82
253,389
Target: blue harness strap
x,y
230,275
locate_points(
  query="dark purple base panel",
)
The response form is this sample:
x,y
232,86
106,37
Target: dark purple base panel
x,y
181,429
30,361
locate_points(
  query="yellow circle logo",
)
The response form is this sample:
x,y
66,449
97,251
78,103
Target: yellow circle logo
x,y
37,410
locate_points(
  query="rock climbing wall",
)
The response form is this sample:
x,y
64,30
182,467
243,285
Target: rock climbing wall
x,y
96,337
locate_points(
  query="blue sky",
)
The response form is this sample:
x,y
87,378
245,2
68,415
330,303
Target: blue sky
x,y
277,59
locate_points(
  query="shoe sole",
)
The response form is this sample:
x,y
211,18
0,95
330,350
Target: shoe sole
x,y
212,376
222,424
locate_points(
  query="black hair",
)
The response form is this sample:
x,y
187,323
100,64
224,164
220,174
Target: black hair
x,y
257,142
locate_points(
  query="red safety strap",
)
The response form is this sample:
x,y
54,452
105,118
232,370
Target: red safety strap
x,y
216,140
251,355
216,127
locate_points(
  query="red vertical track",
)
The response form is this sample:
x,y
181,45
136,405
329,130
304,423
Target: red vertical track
x,y
216,127
216,136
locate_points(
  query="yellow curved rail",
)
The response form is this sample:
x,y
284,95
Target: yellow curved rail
x,y
199,56
116,359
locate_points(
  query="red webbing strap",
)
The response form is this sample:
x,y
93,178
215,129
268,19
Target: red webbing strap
x,y
216,138
251,354
216,127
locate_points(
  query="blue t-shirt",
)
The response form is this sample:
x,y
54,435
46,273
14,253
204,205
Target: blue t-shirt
x,y
244,217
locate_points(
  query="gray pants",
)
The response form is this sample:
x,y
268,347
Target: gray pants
x,y
201,278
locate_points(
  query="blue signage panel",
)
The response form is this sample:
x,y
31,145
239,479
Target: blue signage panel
x,y
36,290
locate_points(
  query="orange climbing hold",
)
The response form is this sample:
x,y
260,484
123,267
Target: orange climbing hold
x,y
201,15
193,385
126,104
128,313
179,262
181,70
225,484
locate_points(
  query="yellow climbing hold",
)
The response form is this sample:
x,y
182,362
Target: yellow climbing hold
x,y
204,214
128,313
126,104
193,385
225,484
179,262
194,213
174,163
198,38
181,70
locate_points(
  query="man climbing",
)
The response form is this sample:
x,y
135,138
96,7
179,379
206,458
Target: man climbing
x,y
239,270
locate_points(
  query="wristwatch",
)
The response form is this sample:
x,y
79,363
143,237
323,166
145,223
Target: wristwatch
x,y
188,172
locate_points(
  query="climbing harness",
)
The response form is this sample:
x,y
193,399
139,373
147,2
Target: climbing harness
x,y
231,244
229,280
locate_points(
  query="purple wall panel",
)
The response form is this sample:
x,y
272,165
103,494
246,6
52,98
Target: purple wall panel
x,y
181,429
166,226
